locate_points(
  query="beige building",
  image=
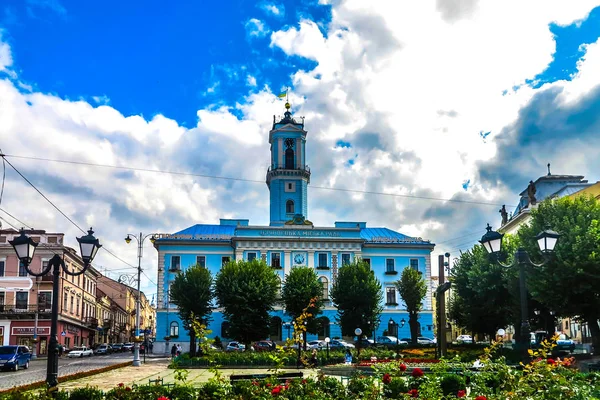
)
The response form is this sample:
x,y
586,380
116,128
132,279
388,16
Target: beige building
x,y
77,320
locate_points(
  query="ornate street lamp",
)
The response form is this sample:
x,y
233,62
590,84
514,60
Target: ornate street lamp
x,y
546,240
24,248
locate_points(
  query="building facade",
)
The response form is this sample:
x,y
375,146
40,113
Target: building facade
x,y
292,240
77,320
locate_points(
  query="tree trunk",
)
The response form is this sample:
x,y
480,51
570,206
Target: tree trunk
x,y
413,322
192,343
595,332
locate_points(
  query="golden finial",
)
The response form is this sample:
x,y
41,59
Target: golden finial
x,y
287,106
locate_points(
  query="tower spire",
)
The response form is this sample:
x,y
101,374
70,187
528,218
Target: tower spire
x,y
549,169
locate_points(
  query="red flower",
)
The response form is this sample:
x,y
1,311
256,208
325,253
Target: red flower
x,y
551,361
255,383
461,393
403,367
480,398
413,393
417,373
121,385
128,389
304,381
386,379
276,390
163,398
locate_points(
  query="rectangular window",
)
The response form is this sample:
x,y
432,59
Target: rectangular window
x,y
1,268
201,261
175,263
22,270
77,307
275,260
345,258
251,256
390,295
45,301
65,302
52,239
224,260
322,260
389,265
21,300
2,301
368,261
72,304
414,263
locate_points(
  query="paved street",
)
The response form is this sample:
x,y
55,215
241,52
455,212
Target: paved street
x,y
66,366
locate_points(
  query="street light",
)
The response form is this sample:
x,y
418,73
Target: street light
x,y
546,240
327,340
140,240
25,247
358,332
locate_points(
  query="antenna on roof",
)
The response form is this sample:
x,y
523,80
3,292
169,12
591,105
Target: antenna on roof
x,y
549,169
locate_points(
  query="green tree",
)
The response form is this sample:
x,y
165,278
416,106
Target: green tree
x,y
569,283
483,292
192,293
358,296
300,286
247,291
412,289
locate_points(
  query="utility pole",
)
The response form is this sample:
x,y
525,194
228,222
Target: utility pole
x,y
441,306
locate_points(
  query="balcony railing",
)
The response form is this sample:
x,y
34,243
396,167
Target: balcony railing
x,y
274,171
12,311
92,322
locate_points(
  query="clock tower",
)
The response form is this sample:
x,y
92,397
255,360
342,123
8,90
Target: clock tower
x,y
288,176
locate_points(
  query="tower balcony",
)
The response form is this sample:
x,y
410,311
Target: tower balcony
x,y
275,172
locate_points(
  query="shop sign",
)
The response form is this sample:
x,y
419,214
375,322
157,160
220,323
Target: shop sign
x,y
73,329
45,331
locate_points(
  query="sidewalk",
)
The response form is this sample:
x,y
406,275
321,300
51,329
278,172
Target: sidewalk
x,y
156,370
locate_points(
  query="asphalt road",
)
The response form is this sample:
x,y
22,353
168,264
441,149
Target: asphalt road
x,y
66,366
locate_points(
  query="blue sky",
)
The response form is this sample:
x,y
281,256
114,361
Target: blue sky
x,y
148,58
465,100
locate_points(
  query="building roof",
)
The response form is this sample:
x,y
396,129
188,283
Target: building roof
x,y
204,229
388,236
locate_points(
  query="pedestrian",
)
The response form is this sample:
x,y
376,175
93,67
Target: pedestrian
x,y
348,357
151,346
60,350
173,351
314,360
179,350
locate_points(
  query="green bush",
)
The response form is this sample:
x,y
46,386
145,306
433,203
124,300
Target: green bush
x,y
86,393
395,388
452,383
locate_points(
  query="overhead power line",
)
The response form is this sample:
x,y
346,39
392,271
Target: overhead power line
x,y
89,164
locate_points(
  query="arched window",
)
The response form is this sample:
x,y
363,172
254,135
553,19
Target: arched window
x,y
289,159
289,207
325,288
174,329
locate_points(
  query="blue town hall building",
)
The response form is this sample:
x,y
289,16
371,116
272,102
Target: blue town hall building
x,y
292,240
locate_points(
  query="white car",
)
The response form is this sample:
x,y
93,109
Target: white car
x,y
80,352
316,344
235,346
464,339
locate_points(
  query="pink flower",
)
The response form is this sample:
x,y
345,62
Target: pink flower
x,y
403,367
461,393
386,379
413,393
480,398
163,398
417,373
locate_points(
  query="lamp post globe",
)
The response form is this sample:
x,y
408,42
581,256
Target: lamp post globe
x,y
546,241
402,322
24,247
89,246
492,240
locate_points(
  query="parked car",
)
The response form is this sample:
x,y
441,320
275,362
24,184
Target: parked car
x,y
564,342
127,347
425,341
340,344
265,345
364,343
316,344
464,339
103,349
14,357
235,346
389,342
81,351
117,347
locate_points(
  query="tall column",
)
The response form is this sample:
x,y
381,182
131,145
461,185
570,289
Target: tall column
x,y
239,254
287,262
311,259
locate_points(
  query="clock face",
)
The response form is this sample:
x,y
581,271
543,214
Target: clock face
x,y
289,143
299,259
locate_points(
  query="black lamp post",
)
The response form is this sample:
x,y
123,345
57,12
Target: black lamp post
x,y
25,247
492,242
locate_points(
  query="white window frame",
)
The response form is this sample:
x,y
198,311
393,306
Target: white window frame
x,y
203,256
319,260
28,303
3,259
171,266
410,263
394,265
44,291
279,255
387,289
349,258
323,288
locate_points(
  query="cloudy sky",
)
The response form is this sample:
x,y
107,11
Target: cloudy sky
x,y
407,103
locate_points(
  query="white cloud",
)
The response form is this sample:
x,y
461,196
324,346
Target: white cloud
x,y
5,55
256,28
251,80
273,9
